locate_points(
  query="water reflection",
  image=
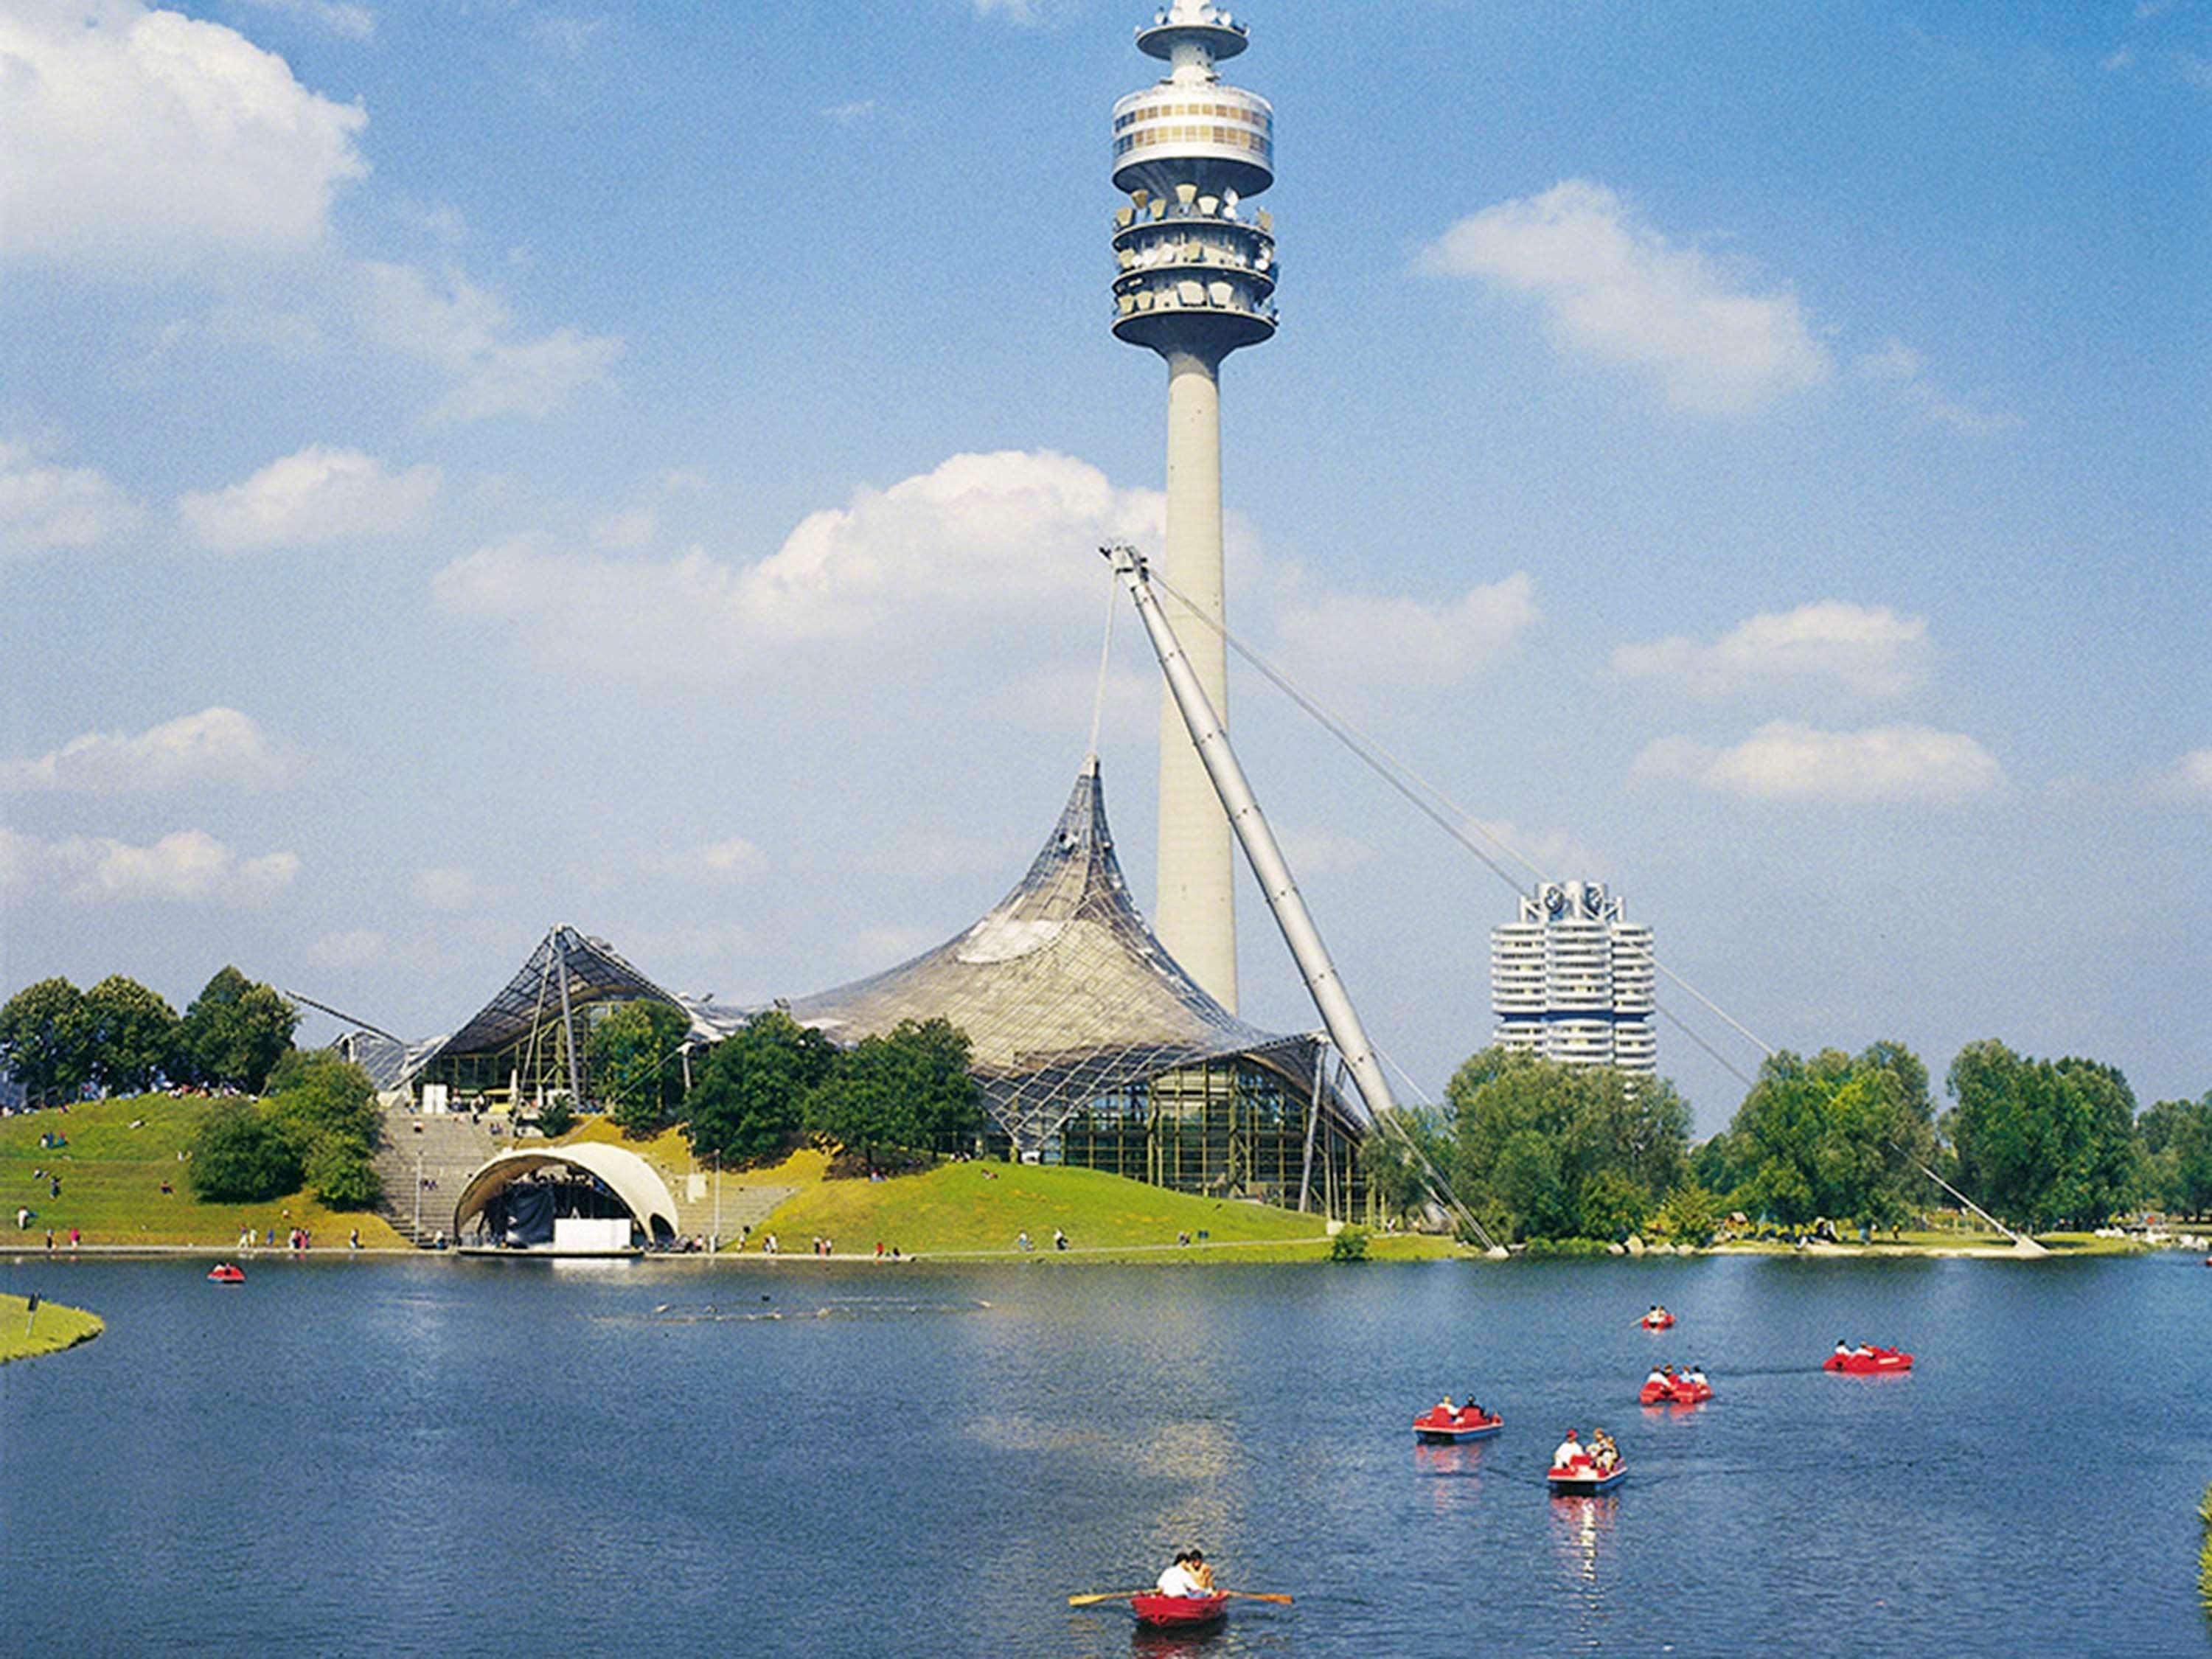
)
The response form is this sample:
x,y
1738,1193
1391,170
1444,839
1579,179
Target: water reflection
x,y
1451,1476
1581,1532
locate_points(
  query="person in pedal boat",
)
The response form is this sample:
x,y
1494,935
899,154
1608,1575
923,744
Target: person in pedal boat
x,y
1189,1577
1445,1408
1570,1453
1658,1378
1696,1376
1472,1410
1603,1453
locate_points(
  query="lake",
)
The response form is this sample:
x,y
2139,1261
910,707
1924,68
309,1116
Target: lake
x,y
466,1457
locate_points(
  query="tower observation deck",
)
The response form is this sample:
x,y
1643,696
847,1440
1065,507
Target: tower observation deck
x,y
1196,281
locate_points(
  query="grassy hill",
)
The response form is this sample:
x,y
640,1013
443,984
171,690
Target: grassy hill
x,y
55,1329
112,1174
980,1209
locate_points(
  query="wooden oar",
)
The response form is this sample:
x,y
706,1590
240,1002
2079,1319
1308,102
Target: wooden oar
x,y
1257,1595
1095,1598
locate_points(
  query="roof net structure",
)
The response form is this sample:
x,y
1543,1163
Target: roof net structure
x,y
1064,992
591,970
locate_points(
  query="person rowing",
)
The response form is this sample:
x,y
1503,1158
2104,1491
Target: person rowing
x,y
1188,1577
1570,1453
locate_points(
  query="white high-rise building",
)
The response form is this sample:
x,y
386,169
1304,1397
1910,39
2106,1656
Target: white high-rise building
x,y
1572,981
1196,282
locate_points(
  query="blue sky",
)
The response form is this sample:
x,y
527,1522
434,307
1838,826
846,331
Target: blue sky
x,y
466,467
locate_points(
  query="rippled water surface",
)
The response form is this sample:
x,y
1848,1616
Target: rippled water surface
x,y
491,1458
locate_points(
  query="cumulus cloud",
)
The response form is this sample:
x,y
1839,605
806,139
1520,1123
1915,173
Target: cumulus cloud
x,y
447,888
1901,368
188,868
317,496
469,333
43,507
1786,761
1869,650
1368,637
1614,289
134,134
353,22
2188,779
214,746
359,947
981,537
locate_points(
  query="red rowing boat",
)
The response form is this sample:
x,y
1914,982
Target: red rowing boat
x,y
1679,1392
227,1272
1178,1612
1865,1362
1451,1427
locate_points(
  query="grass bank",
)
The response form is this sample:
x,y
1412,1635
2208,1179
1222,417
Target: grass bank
x,y
120,1153
1940,1242
981,1210
25,1336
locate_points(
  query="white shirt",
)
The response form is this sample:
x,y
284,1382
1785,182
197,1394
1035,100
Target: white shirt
x,y
1177,1581
1570,1448
1656,1375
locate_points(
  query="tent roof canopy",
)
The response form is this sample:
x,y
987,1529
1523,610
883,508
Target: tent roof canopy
x,y
629,1177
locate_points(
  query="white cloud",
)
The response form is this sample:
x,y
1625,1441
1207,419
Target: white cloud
x,y
214,746
189,868
626,532
354,22
317,496
454,889
1869,650
981,538
361,947
1311,850
1900,367
1786,761
1619,291
1011,11
134,134
468,332
852,114
726,862
2189,779
44,507
570,36
1367,637
1556,853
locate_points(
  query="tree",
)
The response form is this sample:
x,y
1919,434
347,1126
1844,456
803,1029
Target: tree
x,y
910,1091
631,1056
1545,1150
325,1106
45,1039
745,1099
2176,1143
133,1036
234,1031
240,1156
2042,1142
1836,1136
1691,1215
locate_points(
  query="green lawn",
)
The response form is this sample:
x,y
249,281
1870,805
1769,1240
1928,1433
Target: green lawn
x,y
981,1208
111,1176
54,1328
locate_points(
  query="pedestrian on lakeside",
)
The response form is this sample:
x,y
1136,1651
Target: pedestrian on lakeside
x,y
353,1239
50,1238
76,1238
1059,1239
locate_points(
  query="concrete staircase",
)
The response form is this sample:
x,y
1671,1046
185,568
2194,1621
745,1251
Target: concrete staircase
x,y
450,1150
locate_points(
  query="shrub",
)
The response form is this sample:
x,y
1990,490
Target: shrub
x,y
1349,1245
556,1117
240,1156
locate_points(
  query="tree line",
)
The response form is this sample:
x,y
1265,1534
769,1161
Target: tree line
x,y
120,1038
904,1094
1543,1152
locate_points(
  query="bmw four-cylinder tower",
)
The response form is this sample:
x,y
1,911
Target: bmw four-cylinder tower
x,y
1197,280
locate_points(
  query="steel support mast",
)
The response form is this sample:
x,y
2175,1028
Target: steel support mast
x,y
1261,849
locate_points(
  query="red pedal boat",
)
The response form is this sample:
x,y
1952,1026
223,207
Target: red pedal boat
x,y
1442,1427
1584,1479
1680,1392
1178,1612
1664,1322
226,1272
1869,1361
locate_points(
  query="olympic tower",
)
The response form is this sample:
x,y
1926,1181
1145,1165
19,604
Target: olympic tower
x,y
1197,281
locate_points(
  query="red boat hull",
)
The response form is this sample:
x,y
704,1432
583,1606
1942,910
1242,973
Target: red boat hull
x,y
1676,1394
1584,1479
1459,1426
1664,1322
1864,1365
1178,1612
226,1276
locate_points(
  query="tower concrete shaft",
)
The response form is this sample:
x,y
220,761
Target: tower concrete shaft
x,y
1196,282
